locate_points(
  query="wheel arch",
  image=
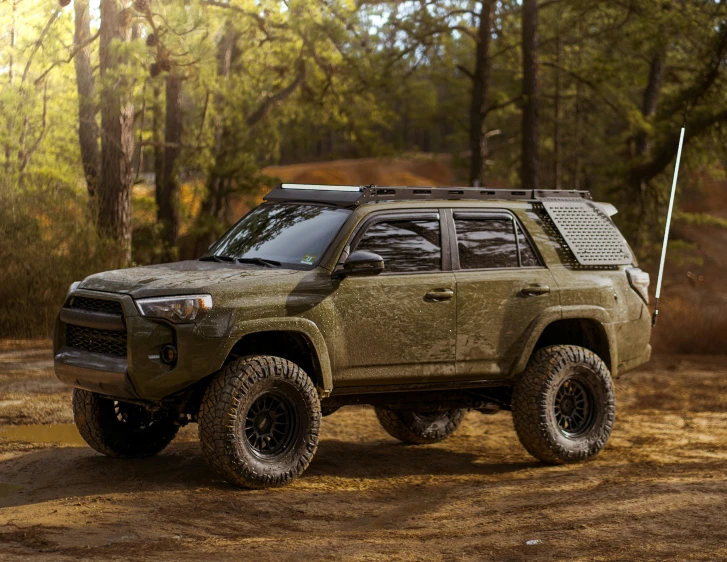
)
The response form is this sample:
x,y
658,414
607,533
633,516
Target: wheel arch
x,y
295,339
587,327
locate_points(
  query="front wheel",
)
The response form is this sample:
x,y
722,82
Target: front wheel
x,y
259,422
563,404
420,428
120,429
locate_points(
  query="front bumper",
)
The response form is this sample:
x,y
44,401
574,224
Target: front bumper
x,y
94,371
140,374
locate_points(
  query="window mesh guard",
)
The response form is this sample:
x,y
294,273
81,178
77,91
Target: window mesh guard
x,y
589,233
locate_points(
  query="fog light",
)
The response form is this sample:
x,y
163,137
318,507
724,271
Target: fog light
x,y
169,354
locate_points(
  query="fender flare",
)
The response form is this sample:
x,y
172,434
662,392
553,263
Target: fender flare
x,y
575,312
305,327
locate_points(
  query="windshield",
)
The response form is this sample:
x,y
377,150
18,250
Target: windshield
x,y
291,234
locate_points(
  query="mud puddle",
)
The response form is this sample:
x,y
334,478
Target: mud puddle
x,y
6,488
61,433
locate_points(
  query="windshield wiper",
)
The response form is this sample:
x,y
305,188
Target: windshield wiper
x,y
218,258
260,261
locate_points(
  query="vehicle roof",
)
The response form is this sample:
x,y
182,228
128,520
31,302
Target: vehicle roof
x,y
351,196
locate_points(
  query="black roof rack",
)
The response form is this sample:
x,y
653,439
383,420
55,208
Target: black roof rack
x,y
351,196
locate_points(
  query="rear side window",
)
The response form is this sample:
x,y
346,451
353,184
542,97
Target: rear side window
x,y
486,243
527,254
407,246
490,243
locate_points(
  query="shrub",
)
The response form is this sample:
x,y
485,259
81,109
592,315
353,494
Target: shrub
x,y
691,320
47,241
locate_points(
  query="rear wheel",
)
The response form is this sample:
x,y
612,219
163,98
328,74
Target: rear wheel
x,y
259,421
563,404
420,428
120,429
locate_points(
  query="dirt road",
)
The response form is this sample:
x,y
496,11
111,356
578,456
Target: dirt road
x,y
657,492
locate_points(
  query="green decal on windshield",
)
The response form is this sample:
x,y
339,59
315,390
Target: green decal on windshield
x,y
309,259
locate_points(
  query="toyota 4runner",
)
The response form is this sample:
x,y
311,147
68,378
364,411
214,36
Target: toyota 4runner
x,y
425,303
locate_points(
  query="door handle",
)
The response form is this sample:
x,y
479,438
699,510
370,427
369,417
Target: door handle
x,y
534,290
438,295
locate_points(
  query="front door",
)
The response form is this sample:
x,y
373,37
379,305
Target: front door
x,y
399,326
502,286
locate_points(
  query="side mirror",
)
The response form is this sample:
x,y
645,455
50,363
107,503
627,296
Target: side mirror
x,y
360,264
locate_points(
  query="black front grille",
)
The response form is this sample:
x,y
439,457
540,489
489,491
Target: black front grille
x,y
97,305
98,341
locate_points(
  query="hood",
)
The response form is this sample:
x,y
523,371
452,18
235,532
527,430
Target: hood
x,y
186,277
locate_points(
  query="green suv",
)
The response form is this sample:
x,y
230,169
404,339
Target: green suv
x,y
425,303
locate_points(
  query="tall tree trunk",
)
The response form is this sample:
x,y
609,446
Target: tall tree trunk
x,y
157,116
577,157
11,80
117,131
557,141
213,205
169,197
648,104
530,157
480,89
642,146
86,85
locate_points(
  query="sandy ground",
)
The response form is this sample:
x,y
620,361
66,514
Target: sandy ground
x,y
657,492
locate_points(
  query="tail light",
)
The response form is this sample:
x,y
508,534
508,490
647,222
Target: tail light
x,y
639,281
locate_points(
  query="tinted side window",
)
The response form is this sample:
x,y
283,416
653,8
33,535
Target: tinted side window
x,y
527,254
486,243
406,245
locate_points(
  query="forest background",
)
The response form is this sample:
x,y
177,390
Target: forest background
x,y
137,132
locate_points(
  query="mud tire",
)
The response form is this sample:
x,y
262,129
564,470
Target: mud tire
x,y
419,429
240,389
535,396
119,429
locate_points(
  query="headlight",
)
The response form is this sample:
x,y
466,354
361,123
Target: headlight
x,y
175,309
639,282
73,287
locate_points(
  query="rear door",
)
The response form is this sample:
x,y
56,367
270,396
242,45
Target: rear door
x,y
399,326
502,286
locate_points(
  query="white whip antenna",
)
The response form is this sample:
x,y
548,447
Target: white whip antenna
x,y
668,221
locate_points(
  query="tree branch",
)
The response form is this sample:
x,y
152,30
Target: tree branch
x,y
588,83
503,104
667,151
25,160
39,42
257,17
260,112
73,54
704,81
468,73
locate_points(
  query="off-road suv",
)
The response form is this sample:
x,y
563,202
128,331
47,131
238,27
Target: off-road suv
x,y
423,302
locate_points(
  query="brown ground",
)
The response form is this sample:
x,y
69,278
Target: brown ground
x,y
657,492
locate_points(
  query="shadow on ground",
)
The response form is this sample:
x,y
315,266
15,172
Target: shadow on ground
x,y
63,472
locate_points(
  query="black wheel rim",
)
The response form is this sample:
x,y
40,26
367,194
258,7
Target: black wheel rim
x,y
574,407
270,425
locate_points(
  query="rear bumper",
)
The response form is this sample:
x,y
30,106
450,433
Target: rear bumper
x,y
635,362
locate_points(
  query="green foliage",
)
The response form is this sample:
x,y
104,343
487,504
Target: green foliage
x,y
312,81
699,219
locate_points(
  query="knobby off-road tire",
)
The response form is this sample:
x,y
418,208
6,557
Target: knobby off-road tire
x,y
259,422
419,428
563,404
120,429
